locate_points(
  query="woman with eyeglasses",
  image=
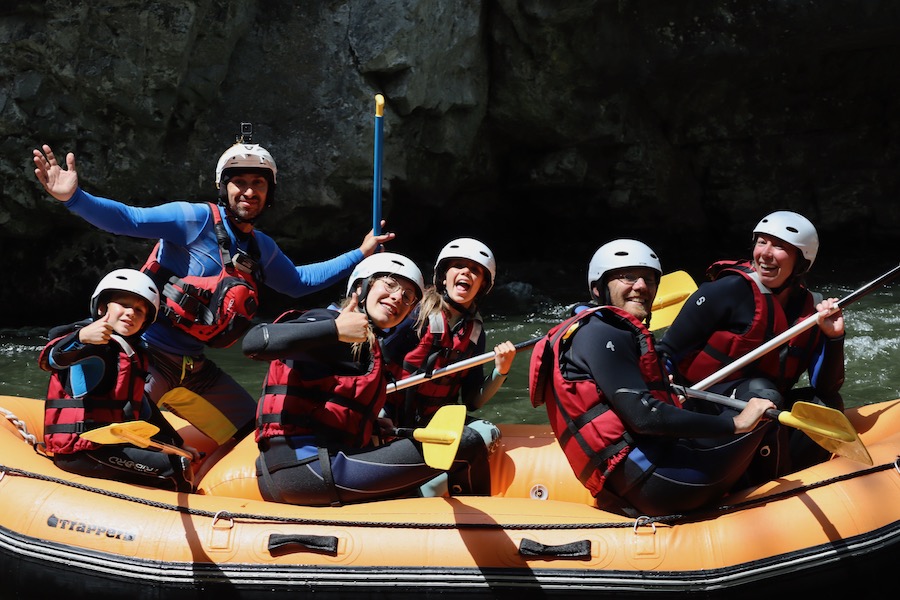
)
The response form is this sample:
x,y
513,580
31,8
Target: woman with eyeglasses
x,y
323,392
608,399
447,328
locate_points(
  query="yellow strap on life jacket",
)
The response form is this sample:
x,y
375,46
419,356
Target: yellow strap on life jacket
x,y
187,364
195,409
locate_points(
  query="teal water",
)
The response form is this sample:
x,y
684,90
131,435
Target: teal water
x,y
872,355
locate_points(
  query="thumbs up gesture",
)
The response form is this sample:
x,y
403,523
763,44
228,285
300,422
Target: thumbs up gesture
x,y
352,325
98,332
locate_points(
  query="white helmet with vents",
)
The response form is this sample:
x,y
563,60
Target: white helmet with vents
x,y
793,228
471,249
386,263
127,280
619,254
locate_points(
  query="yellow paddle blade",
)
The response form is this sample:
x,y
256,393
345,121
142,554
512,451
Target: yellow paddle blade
x,y
829,428
674,289
440,439
119,433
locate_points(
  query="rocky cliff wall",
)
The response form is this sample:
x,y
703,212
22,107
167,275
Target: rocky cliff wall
x,y
544,128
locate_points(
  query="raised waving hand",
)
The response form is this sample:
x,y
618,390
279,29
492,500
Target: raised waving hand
x,y
59,182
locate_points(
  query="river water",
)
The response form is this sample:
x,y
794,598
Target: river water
x,y
872,354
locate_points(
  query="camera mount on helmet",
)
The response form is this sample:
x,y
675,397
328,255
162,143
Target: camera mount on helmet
x,y
246,157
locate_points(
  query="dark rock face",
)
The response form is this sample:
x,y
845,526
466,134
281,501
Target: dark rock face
x,y
544,129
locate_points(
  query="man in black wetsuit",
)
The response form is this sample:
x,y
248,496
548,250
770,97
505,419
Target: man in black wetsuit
x,y
608,399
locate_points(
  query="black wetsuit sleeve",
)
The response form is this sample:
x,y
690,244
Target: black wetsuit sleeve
x,y
68,351
609,356
726,304
295,338
62,330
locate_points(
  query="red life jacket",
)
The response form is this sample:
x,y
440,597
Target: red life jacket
x,y
438,348
783,366
217,309
591,435
66,416
335,408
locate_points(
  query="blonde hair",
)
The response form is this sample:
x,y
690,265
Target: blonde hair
x,y
432,303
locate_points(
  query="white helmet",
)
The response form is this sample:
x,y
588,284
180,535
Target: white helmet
x,y
793,228
127,280
618,254
386,263
246,156
466,248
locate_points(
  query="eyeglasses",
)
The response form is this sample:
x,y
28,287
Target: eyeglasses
x,y
632,278
407,298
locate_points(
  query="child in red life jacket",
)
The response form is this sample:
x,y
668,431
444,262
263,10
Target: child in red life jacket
x,y
447,328
98,368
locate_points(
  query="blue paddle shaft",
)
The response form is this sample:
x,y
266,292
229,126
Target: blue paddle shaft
x,y
376,180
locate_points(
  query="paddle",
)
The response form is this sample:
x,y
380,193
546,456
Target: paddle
x,y
827,427
792,332
440,439
376,182
135,432
674,290
454,368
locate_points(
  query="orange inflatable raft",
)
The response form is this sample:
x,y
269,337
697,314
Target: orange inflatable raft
x,y
821,529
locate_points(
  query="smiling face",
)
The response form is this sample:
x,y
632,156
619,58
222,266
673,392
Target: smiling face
x,y
126,312
463,280
247,193
774,260
390,300
633,290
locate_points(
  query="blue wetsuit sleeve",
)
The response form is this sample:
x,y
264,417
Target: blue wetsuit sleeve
x,y
283,276
179,222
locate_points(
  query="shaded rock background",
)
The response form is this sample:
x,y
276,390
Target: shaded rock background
x,y
543,128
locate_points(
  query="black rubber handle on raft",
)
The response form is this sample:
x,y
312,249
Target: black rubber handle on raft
x,y
280,543
580,550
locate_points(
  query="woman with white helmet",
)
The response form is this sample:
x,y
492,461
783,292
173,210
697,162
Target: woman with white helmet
x,y
97,378
444,329
324,390
609,402
209,264
746,304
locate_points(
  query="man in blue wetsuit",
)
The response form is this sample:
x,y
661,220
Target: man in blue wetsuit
x,y
208,264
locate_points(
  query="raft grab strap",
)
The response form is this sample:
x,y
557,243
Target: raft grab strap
x,y
580,550
280,543
697,515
